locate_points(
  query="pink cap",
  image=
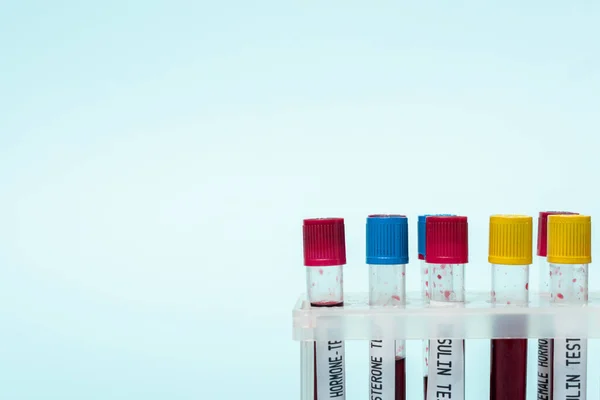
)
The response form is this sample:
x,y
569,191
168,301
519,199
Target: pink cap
x,y
324,242
447,240
542,238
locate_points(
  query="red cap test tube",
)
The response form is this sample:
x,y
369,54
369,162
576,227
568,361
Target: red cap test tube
x,y
447,252
324,258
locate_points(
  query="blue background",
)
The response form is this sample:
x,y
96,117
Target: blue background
x,y
157,158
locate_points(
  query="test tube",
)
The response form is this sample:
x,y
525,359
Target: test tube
x,y
510,253
387,256
425,292
545,345
569,253
424,272
421,254
324,258
447,252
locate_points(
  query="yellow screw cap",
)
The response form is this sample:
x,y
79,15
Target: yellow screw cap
x,y
511,240
569,239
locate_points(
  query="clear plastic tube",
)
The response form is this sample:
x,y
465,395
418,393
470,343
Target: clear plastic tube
x,y
424,269
387,359
545,346
569,285
325,289
508,377
447,356
325,286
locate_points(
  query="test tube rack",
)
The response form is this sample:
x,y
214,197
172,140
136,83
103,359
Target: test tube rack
x,y
477,318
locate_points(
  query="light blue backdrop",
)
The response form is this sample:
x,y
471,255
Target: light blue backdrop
x,y
157,158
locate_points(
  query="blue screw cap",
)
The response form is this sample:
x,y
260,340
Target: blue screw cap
x,y
387,239
421,236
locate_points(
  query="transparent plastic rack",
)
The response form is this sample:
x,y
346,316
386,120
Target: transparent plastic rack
x,y
477,318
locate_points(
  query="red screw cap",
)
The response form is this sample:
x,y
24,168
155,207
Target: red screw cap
x,y
324,242
542,238
447,240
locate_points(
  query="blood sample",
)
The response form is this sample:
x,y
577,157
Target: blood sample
x,y
545,346
324,258
569,253
387,256
447,249
510,253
